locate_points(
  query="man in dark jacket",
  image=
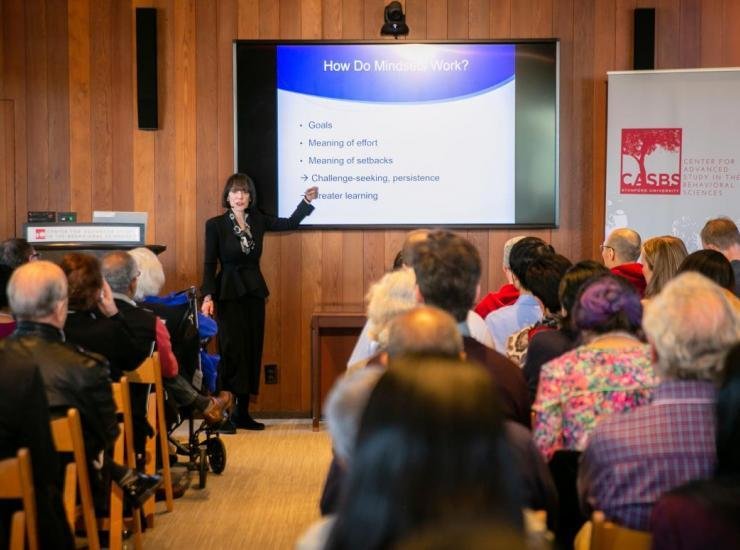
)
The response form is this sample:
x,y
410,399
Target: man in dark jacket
x,y
121,272
73,378
24,422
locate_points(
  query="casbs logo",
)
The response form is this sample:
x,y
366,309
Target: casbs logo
x,y
40,233
651,161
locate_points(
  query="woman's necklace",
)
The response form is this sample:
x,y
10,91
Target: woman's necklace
x,y
244,234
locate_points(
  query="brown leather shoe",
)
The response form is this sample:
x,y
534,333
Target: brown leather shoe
x,y
220,404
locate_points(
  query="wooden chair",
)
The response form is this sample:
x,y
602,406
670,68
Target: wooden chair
x,y
16,482
150,372
123,453
606,535
67,434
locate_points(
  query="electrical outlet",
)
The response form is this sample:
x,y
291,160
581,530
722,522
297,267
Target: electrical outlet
x,y
271,374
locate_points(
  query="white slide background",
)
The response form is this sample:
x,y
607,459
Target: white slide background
x,y
468,142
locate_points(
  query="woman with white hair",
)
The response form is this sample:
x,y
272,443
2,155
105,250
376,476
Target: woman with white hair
x,y
151,276
185,339
393,294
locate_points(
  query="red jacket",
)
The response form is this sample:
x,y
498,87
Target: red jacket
x,y
504,296
633,273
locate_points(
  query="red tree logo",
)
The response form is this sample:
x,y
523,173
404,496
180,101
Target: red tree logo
x,y
663,175
40,233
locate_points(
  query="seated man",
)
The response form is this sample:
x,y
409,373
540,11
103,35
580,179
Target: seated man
x,y
633,458
620,252
25,422
526,311
448,270
121,272
722,235
72,377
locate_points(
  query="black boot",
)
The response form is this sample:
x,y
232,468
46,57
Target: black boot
x,y
242,418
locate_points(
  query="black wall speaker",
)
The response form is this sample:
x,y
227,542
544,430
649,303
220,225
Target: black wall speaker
x,y
644,50
146,68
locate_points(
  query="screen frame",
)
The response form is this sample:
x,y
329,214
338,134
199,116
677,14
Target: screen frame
x,y
272,205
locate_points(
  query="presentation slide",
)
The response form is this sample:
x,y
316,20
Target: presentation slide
x,y
398,134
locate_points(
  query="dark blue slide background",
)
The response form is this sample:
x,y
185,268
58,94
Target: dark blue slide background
x,y
471,69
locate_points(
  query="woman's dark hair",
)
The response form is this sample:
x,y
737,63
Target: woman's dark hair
x,y
570,286
543,279
398,261
608,303
239,181
430,448
728,416
15,252
84,280
523,253
711,264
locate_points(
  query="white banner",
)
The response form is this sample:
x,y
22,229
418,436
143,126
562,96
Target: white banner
x,y
673,151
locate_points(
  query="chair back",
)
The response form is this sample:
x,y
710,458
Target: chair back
x,y
16,482
606,535
150,372
123,453
67,434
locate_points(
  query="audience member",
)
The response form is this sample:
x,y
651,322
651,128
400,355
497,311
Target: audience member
x,y
393,294
635,457
94,321
16,252
546,345
7,323
364,347
525,311
25,422
425,456
508,293
13,253
72,377
620,253
543,277
611,372
424,331
661,257
703,514
121,273
343,409
722,235
713,265
448,270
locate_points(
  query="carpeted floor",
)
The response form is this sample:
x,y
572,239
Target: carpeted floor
x,y
265,498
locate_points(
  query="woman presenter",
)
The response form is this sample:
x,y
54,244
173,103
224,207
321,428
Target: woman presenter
x,y
233,286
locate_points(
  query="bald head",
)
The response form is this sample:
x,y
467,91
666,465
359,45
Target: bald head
x,y
424,330
37,291
621,247
120,270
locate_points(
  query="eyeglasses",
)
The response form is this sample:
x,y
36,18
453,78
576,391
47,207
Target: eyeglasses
x,y
605,246
35,256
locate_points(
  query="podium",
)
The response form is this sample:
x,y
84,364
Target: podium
x,y
57,239
334,332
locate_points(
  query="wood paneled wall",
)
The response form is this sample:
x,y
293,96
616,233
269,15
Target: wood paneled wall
x,y
70,141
